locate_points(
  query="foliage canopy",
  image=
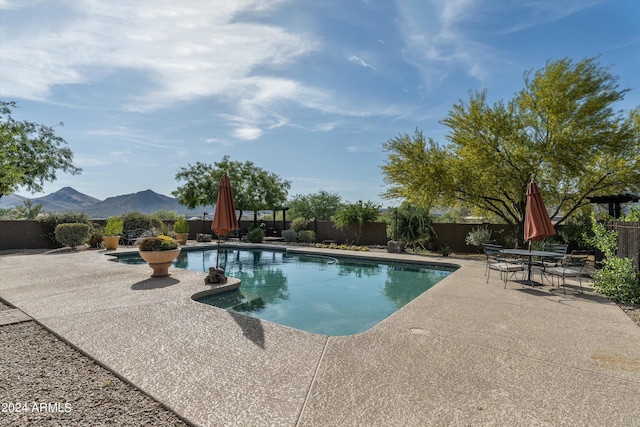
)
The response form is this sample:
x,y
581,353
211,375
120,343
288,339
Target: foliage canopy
x,y
356,215
30,153
253,188
560,130
321,205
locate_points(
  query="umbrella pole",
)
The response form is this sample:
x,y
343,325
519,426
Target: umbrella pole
x,y
218,253
530,262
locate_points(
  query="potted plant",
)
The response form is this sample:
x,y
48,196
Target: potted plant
x,y
159,252
181,228
112,232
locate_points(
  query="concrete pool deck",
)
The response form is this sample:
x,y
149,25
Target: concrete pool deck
x,y
463,353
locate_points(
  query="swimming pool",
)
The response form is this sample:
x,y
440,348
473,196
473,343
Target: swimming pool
x,y
316,293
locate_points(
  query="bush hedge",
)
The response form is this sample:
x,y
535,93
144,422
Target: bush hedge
x,y
72,234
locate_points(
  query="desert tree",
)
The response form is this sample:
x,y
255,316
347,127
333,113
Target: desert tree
x,y
30,153
561,130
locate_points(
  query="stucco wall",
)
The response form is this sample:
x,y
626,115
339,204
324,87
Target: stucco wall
x,y
23,234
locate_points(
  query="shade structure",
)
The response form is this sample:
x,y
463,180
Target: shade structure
x,y
224,217
537,224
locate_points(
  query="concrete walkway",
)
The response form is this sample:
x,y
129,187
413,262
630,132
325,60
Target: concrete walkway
x,y
463,353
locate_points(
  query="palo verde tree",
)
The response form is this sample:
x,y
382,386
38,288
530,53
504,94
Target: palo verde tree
x,y
254,189
560,130
30,153
321,205
356,215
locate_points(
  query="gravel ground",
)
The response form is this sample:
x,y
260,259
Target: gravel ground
x,y
52,384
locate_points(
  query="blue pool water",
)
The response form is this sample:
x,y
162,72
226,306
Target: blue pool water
x,y
319,294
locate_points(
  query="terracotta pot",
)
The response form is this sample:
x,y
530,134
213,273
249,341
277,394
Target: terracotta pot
x,y
181,238
159,261
111,242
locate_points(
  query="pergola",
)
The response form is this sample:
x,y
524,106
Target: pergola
x,y
614,202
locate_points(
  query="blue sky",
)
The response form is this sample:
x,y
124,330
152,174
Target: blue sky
x,y
309,90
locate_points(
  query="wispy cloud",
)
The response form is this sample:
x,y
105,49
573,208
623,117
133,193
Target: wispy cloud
x,y
359,61
534,13
180,52
441,38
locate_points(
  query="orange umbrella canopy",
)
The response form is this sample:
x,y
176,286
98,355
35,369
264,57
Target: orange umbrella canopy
x,y
224,217
537,224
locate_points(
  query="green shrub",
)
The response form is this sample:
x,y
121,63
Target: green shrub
x,y
617,278
289,235
113,227
72,234
181,226
135,220
306,236
255,236
164,229
477,236
343,247
95,239
299,224
52,220
410,224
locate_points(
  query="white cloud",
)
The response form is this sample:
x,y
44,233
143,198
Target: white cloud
x,y
247,133
164,53
179,51
85,161
325,127
359,61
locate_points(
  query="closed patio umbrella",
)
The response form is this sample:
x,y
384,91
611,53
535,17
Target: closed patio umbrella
x,y
537,224
224,217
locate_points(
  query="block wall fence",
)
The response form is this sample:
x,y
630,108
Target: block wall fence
x,y
26,234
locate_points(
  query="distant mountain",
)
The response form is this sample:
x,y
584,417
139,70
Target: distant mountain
x,y
145,202
66,199
11,201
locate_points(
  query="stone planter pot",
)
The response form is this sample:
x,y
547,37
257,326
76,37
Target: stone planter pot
x,y
181,238
111,242
159,261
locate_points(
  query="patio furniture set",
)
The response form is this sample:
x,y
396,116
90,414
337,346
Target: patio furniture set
x,y
551,262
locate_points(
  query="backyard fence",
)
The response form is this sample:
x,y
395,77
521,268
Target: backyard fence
x,y
628,240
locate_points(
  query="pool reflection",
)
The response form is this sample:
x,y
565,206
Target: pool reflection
x,y
318,294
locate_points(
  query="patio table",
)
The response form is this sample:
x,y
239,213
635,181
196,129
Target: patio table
x,y
530,255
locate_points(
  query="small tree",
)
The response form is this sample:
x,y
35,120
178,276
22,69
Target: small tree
x,y
254,189
563,129
357,215
27,211
321,205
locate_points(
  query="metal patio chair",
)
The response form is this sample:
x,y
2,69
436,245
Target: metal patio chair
x,y
571,266
496,261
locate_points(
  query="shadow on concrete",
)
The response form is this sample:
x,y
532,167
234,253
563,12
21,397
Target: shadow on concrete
x,y
251,328
533,291
154,283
